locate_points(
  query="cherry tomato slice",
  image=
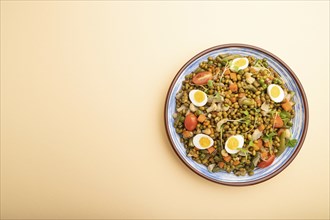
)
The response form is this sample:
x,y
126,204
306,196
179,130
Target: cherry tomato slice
x,y
190,122
267,162
202,78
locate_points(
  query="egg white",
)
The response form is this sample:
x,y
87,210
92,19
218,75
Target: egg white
x,y
280,97
192,98
198,137
240,139
232,66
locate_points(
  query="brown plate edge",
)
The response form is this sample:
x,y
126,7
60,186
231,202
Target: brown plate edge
x,y
305,102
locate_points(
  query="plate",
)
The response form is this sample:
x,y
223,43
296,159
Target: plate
x,y
300,121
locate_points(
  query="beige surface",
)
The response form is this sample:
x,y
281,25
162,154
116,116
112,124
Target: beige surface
x,y
83,87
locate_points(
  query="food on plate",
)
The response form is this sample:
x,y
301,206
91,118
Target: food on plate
x,y
234,113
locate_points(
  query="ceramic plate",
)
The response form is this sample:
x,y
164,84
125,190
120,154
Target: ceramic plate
x,y
300,121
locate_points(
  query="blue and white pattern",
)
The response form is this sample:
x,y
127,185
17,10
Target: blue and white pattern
x,y
297,129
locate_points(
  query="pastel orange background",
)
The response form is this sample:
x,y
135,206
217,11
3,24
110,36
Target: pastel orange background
x,y
83,88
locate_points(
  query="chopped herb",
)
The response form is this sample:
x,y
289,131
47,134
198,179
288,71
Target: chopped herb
x,y
245,151
217,95
292,143
247,122
258,63
235,68
269,136
285,120
221,138
257,110
286,117
210,83
272,112
285,114
246,113
246,119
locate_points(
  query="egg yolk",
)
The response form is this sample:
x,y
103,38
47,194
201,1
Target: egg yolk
x,y
204,142
199,96
275,92
232,143
240,62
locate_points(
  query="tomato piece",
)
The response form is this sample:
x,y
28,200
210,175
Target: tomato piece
x,y
221,164
233,99
202,78
210,149
261,127
201,118
233,76
287,106
233,87
278,122
258,145
241,95
227,158
227,72
267,162
190,122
